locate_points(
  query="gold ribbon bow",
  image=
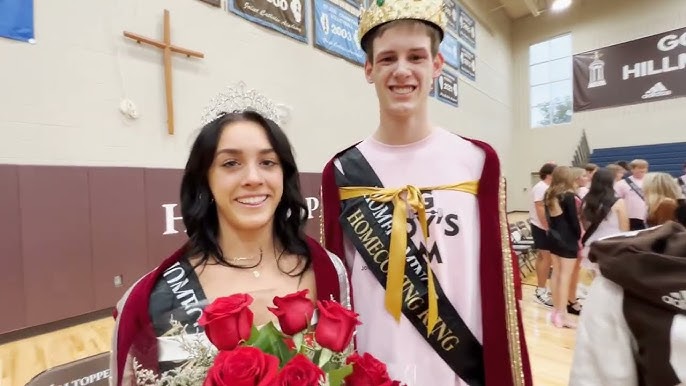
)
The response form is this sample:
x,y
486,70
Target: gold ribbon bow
x,y
397,254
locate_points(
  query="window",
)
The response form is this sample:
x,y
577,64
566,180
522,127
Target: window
x,y
550,81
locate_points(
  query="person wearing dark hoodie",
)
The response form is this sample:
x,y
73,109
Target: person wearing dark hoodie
x,y
633,328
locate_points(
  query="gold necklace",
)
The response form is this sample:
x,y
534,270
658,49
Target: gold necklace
x,y
255,272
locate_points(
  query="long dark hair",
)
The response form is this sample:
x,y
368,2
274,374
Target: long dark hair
x,y
600,195
200,213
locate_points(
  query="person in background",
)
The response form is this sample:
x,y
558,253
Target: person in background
x,y
633,328
664,199
626,166
581,180
631,190
580,176
539,229
618,171
682,181
564,232
590,169
602,214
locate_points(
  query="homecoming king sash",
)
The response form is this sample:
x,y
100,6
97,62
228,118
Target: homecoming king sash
x,y
412,290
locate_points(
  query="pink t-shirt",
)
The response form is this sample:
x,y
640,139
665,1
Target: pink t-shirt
x,y
635,206
537,194
441,158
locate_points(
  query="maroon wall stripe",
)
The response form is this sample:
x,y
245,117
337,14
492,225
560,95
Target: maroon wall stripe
x,y
12,295
67,232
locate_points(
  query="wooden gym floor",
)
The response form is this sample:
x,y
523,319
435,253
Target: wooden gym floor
x,y
550,349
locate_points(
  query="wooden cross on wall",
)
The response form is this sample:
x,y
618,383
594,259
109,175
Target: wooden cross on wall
x,y
167,48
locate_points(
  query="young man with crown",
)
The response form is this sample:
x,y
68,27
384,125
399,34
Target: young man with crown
x,y
436,291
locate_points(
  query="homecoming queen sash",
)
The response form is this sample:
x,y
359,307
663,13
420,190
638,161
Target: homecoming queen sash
x,y
381,240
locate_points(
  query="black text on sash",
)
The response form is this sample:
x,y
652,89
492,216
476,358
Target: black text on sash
x,y
367,226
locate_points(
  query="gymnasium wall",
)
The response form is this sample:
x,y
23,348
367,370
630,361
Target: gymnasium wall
x,y
66,89
88,192
593,24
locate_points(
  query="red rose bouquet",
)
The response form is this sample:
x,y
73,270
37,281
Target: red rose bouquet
x,y
311,345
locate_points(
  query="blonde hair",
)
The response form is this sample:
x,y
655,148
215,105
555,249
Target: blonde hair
x,y
638,163
562,181
615,169
659,186
576,174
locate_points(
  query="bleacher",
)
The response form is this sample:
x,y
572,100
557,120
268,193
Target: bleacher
x,y
663,157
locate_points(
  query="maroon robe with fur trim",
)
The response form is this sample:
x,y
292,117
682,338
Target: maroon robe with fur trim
x,y
505,353
135,336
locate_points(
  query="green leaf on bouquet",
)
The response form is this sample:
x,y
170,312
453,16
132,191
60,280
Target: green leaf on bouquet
x,y
271,341
254,334
337,376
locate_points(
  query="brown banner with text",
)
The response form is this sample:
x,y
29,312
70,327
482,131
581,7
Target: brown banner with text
x,y
643,70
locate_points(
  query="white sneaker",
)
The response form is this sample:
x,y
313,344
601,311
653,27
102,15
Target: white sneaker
x,y
543,297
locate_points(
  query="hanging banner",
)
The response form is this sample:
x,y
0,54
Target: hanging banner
x,y
285,16
466,28
452,11
335,29
214,3
449,50
639,71
447,88
16,20
467,61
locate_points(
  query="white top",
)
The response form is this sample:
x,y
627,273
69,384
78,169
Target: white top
x,y
537,194
604,354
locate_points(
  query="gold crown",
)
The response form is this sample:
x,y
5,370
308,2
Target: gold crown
x,y
384,11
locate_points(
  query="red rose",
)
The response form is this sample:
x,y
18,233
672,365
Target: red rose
x,y
299,371
368,371
244,366
294,312
228,321
336,325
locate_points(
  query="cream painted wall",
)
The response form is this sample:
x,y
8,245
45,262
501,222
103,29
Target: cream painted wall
x,y
61,96
593,24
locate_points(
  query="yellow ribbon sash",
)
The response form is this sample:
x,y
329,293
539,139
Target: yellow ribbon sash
x,y
397,258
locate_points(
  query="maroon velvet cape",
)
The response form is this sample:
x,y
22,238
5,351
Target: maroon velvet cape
x,y
135,334
498,361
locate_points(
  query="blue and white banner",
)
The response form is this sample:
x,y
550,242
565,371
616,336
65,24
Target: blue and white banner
x,y
466,28
335,29
288,17
449,50
467,60
452,11
16,20
446,89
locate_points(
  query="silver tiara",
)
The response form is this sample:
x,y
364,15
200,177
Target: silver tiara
x,y
239,98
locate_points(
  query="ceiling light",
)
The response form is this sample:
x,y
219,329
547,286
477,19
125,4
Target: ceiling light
x,y
559,5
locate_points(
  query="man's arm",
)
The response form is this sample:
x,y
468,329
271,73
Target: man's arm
x,y
622,215
540,212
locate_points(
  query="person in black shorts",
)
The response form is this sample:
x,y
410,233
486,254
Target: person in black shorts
x,y
539,226
564,232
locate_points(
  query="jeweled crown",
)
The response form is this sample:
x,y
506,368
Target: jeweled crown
x,y
384,11
239,98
